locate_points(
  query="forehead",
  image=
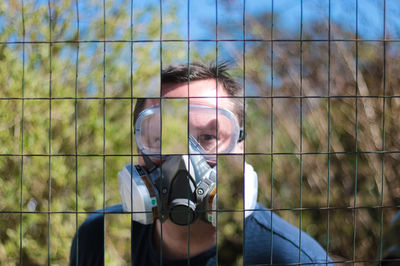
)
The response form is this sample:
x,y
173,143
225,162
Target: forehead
x,y
200,92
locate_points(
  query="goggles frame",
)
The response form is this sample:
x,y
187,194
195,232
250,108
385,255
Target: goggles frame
x,y
238,133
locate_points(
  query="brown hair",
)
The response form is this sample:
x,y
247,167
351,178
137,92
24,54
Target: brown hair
x,y
197,71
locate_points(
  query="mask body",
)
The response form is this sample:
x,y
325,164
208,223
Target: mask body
x,y
183,197
182,189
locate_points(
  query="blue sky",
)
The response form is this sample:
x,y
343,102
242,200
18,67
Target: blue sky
x,y
202,19
288,12
202,14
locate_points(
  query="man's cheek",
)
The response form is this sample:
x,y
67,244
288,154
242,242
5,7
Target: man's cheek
x,y
239,148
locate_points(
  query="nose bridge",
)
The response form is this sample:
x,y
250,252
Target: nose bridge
x,y
174,126
206,124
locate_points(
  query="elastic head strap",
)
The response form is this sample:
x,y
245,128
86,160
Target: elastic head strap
x,y
242,135
150,165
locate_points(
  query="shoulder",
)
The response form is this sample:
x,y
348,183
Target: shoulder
x,y
87,247
95,221
269,238
391,240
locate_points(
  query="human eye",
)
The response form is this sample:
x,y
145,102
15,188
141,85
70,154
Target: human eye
x,y
156,141
207,137
207,141
153,141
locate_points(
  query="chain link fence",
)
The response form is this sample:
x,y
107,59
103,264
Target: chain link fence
x,y
322,98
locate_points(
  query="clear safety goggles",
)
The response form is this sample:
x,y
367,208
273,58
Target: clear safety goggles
x,y
214,130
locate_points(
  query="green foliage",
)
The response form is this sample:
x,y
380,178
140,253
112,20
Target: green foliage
x,y
316,160
328,158
77,128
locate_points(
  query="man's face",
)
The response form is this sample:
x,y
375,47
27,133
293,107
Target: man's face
x,y
202,93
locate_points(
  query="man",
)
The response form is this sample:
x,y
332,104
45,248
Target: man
x,y
173,197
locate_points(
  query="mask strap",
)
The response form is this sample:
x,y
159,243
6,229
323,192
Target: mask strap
x,y
160,183
151,166
242,135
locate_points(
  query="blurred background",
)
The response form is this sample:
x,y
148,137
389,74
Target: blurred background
x,y
322,100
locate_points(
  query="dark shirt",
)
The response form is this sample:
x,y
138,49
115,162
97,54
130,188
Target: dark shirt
x,y
282,244
391,243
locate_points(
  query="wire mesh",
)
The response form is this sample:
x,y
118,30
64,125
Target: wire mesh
x,y
321,95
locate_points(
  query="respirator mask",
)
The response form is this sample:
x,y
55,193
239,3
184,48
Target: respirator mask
x,y
181,188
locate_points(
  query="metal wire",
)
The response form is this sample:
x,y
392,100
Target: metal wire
x,y
161,119
247,153
328,203
216,85
356,96
50,135
349,40
221,97
76,133
271,250
244,123
383,135
104,128
131,104
22,133
301,129
187,127
356,144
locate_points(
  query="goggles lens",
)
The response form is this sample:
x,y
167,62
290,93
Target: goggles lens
x,y
215,130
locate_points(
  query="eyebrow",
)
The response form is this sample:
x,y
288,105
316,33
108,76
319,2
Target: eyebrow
x,y
211,124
